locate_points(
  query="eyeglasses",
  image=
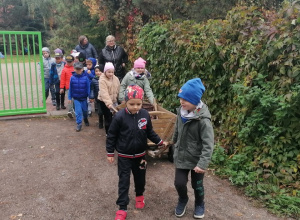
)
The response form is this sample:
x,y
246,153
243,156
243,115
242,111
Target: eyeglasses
x,y
110,41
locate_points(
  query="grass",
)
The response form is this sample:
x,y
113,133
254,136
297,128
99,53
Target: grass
x,y
14,58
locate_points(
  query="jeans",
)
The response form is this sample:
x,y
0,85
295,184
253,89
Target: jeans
x,y
70,106
80,110
49,87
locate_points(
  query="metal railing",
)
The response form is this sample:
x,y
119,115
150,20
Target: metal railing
x,y
21,77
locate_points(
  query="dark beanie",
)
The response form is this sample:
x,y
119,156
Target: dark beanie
x,y
192,91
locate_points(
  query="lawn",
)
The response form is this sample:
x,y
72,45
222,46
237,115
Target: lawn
x,y
21,58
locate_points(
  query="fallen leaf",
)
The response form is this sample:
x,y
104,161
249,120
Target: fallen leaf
x,y
42,147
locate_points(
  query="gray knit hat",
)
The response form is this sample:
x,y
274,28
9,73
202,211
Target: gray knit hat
x,y
46,49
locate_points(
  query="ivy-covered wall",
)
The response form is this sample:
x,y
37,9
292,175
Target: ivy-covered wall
x,y
250,66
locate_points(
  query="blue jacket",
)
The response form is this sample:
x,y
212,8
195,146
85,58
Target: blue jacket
x,y
79,87
92,74
94,88
54,75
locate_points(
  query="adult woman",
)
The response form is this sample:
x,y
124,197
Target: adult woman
x,y
114,54
86,48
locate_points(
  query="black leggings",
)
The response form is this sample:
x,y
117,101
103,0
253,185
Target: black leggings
x,y
181,179
107,115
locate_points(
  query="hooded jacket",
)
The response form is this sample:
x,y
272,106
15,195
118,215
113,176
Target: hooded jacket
x,y
55,72
47,62
194,140
115,55
65,76
92,74
142,82
88,50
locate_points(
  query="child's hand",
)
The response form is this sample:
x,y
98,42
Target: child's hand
x,y
91,100
69,101
61,91
199,170
110,159
89,71
165,143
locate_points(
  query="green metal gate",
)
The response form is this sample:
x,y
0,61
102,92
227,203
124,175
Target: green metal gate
x,y
21,77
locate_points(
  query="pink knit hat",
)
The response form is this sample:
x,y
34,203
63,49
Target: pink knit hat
x,y
139,63
108,66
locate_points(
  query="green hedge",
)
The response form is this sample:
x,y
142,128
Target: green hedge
x,y
250,66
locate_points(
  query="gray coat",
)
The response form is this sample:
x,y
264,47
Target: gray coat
x,y
194,140
142,82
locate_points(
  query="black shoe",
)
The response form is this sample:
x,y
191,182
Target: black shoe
x,y
57,107
86,122
78,127
63,107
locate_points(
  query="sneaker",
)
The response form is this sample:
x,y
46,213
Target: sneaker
x,y
78,127
53,102
63,107
199,211
139,202
121,215
180,209
70,115
86,122
90,114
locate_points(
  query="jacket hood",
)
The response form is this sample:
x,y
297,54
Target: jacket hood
x,y
94,61
200,112
84,46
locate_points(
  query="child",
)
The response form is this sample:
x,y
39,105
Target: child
x,y
109,86
194,142
90,72
128,135
94,94
47,62
65,81
79,91
55,74
137,76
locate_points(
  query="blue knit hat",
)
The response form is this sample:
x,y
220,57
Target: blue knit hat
x,y
192,91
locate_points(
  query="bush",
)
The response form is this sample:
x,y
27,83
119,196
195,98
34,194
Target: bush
x,y
250,65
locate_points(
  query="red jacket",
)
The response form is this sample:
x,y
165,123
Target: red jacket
x,y
66,74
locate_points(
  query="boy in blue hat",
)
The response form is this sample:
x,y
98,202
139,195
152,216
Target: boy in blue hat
x,y
194,141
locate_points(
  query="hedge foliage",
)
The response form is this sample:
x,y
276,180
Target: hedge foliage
x,y
250,65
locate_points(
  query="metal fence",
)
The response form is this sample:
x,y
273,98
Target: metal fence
x,y
21,77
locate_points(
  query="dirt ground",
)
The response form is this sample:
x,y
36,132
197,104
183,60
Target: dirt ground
x,y
49,171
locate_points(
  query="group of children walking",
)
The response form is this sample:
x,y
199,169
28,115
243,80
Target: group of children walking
x,y
128,130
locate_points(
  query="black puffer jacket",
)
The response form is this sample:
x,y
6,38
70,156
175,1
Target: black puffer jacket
x,y
128,134
117,56
88,50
